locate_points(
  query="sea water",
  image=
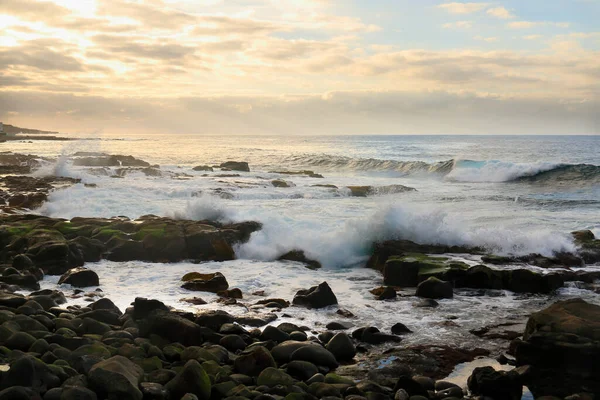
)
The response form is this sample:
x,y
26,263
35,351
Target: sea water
x,y
509,194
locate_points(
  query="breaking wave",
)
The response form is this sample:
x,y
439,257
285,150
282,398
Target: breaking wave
x,y
463,170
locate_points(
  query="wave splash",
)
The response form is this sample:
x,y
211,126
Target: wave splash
x,y
349,243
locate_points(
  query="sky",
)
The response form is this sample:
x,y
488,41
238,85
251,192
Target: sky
x,y
301,66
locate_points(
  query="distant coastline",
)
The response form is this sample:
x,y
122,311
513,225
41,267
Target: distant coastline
x,y
11,132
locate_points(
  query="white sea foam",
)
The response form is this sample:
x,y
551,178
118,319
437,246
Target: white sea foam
x,y
495,171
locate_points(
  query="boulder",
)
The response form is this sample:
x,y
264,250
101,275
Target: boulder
x,y
341,347
203,168
299,256
273,377
433,288
214,282
116,377
172,327
192,378
236,166
315,297
253,361
80,277
315,354
384,293
486,381
562,344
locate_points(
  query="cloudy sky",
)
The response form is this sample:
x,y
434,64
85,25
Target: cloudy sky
x,y
301,66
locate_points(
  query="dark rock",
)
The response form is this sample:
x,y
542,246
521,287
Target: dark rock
x,y
19,393
302,370
236,166
384,293
315,354
341,347
203,168
233,343
273,377
316,297
482,277
399,329
486,381
433,288
562,344
214,282
80,277
412,387
142,307
299,256
275,334
253,361
78,393
191,379
116,377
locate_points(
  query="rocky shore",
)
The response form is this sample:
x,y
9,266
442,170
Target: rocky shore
x,y
51,349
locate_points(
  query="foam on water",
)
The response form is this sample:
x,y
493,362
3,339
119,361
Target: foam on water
x,y
495,171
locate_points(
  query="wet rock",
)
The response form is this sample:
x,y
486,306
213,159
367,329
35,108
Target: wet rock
x,y
203,168
562,344
433,288
482,277
235,166
273,377
400,329
191,379
410,386
214,282
341,347
234,293
110,161
384,293
172,327
117,377
315,354
299,256
275,334
80,277
316,297
194,300
486,381
253,361
302,370
280,183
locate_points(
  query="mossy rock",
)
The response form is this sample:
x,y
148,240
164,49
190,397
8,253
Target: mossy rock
x,y
149,364
105,234
337,379
213,368
273,377
154,231
95,349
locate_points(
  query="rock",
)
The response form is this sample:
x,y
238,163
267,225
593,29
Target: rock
x,y
80,277
275,334
234,293
32,373
214,282
399,329
486,381
198,301
338,326
562,345
410,386
315,354
203,168
78,393
384,293
116,377
233,343
282,353
253,361
299,256
18,393
191,379
273,377
433,288
341,347
316,297
172,327
20,341
22,263
142,307
280,183
482,277
302,370
236,166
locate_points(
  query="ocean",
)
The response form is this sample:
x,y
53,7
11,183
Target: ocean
x,y
508,194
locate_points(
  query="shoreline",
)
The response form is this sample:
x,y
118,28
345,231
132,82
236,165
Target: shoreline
x,y
35,246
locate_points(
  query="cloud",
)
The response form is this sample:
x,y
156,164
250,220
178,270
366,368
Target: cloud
x,y
486,39
532,24
458,25
532,37
33,10
463,8
42,55
500,12
152,13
